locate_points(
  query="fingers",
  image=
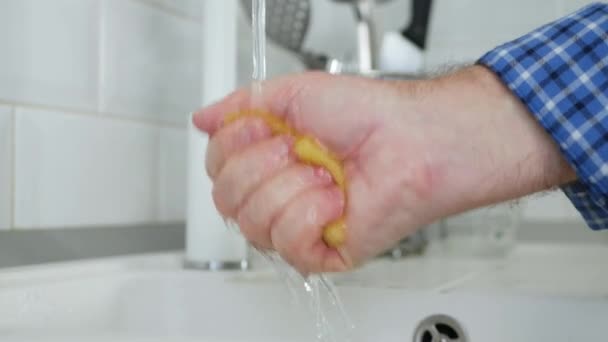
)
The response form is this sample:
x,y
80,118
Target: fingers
x,y
255,182
296,232
232,139
244,172
210,119
262,208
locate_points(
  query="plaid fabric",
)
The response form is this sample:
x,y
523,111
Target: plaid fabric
x,y
560,72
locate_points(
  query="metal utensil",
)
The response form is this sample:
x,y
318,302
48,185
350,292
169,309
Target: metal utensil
x,y
417,30
367,49
366,42
287,23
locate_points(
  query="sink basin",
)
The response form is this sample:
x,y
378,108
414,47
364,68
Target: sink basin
x,y
153,299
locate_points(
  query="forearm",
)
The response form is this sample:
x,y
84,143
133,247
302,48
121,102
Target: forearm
x,y
491,149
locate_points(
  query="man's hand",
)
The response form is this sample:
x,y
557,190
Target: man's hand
x,y
413,152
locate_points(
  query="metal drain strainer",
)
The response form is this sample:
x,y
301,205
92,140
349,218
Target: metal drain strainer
x,y
439,328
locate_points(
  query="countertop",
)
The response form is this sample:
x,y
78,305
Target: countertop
x,y
573,270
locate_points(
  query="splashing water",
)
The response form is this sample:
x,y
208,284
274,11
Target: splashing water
x,y
318,292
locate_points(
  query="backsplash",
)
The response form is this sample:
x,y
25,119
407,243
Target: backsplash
x,y
94,101
95,96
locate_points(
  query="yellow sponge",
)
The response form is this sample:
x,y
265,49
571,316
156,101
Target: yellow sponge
x,y
309,151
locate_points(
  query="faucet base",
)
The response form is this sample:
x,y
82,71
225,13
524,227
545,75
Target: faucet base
x,y
218,265
413,245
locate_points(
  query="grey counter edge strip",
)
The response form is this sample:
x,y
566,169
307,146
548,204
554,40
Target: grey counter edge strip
x,y
27,247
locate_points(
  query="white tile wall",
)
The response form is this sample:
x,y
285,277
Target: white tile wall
x,y
49,52
74,170
461,31
6,127
151,62
188,8
172,163
565,7
553,206
73,68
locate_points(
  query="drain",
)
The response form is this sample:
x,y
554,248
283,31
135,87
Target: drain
x,y
439,328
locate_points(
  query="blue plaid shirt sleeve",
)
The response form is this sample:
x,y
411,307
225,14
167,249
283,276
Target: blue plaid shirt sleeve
x,y
560,72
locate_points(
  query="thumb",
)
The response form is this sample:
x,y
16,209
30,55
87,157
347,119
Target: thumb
x,y
275,98
336,110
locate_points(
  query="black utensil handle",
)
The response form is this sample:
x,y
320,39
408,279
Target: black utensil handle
x,y
418,28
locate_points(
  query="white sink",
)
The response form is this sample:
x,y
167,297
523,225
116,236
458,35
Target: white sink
x,y
153,299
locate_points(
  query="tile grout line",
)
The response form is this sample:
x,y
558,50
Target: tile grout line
x,y
88,113
169,10
13,176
